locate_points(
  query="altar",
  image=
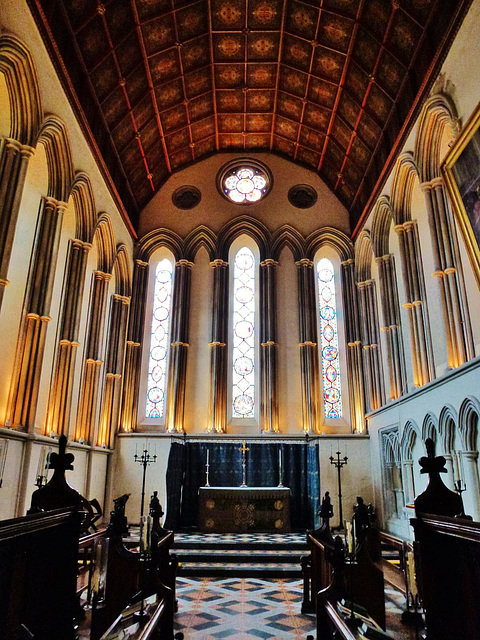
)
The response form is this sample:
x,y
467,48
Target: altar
x,y
244,509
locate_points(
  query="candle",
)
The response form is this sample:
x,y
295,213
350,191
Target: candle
x,y
457,468
349,537
136,448
208,455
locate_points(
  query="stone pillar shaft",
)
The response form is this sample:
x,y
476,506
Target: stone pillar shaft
x,y
371,347
14,159
308,345
217,418
268,340
89,390
472,483
354,348
133,351
22,404
177,365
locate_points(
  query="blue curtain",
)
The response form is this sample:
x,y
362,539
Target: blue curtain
x,y
186,474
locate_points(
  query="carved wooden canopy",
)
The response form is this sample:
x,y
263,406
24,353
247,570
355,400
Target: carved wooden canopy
x,y
330,84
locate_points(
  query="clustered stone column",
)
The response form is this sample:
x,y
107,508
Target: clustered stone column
x,y
408,480
354,347
218,349
59,404
472,483
119,307
422,353
22,404
14,158
269,346
177,366
308,345
133,351
448,275
392,328
90,387
372,360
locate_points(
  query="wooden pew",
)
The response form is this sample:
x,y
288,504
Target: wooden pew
x,y
129,576
316,569
447,552
38,572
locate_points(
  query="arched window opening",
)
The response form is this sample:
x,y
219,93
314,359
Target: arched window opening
x,y
159,341
332,391
243,374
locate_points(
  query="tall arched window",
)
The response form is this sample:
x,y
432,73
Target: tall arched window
x,y
330,357
243,374
159,341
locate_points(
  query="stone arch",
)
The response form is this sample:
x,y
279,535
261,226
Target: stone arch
x,y
409,437
381,224
244,225
202,236
53,135
288,236
404,176
438,112
84,202
429,427
331,237
123,277
447,423
17,64
106,243
363,257
160,238
468,419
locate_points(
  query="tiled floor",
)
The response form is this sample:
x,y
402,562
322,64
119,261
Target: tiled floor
x,y
241,609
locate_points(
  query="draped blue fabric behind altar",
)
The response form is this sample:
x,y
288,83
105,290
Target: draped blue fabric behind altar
x,y
186,473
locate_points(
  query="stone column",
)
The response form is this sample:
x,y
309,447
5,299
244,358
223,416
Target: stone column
x,y
58,414
354,348
392,328
308,345
119,307
217,418
22,404
422,353
472,492
177,365
269,346
449,477
133,351
371,349
90,387
14,159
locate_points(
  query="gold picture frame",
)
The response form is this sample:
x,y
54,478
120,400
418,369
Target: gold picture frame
x,y
461,172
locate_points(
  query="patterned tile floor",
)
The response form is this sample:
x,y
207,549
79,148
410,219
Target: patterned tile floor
x,y
245,609
194,538
241,609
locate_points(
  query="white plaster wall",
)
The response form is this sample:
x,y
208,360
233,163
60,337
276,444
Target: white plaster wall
x,y
214,210
289,375
97,478
8,490
197,391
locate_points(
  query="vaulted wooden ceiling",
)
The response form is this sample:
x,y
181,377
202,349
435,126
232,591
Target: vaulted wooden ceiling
x,y
330,84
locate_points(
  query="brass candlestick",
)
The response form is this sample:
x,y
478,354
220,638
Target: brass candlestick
x,y
244,450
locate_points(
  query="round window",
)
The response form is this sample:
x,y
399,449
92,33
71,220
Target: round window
x,y
244,181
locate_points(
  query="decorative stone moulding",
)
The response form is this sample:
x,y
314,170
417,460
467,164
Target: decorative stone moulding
x,y
186,197
302,196
244,181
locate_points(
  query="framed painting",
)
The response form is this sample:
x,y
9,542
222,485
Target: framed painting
x,y
461,171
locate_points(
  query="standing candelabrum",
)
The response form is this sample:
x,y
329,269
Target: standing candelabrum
x,y
339,463
145,460
207,467
244,450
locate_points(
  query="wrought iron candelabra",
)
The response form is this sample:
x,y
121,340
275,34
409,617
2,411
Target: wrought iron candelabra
x,y
339,463
459,486
145,460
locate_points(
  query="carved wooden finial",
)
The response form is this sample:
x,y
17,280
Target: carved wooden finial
x,y
61,461
431,463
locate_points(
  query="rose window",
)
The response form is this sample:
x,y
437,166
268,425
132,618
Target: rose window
x,y
245,183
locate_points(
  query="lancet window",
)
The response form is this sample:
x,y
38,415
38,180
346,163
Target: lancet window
x,y
159,340
330,358
243,374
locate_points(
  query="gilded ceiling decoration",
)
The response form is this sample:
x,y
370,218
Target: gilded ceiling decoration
x,y
330,84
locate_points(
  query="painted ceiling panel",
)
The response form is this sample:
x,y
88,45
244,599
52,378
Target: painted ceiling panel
x,y
327,83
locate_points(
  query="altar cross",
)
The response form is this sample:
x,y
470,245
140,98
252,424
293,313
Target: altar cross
x,y
243,449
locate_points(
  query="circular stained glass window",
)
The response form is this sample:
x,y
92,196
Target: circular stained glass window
x,y
244,182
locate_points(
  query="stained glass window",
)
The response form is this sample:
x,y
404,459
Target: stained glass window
x,y
244,184
243,396
332,392
157,365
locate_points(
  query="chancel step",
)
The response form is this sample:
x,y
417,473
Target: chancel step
x,y
242,555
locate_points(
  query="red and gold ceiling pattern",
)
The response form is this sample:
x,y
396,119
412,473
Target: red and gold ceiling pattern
x,y
327,83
